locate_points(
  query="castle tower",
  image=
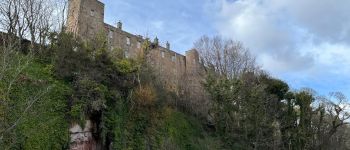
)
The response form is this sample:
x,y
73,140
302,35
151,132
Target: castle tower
x,y
85,18
194,79
192,62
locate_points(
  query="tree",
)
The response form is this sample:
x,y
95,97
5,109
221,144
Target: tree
x,y
332,115
240,94
226,58
32,19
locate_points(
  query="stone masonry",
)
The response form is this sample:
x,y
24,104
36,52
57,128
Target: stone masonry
x,y
86,20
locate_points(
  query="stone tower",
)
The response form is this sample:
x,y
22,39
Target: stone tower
x,y
194,80
192,62
85,18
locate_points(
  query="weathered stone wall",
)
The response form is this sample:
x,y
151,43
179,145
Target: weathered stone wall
x,y
119,39
170,66
85,18
73,15
194,79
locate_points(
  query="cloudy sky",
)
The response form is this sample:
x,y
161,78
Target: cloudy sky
x,y
303,42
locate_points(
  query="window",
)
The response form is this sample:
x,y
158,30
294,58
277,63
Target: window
x,y
92,12
126,53
110,34
173,58
138,44
128,41
163,55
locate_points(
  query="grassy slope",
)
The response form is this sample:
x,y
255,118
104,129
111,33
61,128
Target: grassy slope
x,y
186,132
43,125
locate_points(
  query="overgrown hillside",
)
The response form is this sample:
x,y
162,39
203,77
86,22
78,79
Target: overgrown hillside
x,y
44,93
61,92
34,106
39,110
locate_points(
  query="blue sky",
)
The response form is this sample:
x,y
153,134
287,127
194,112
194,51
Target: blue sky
x,y
305,43
180,22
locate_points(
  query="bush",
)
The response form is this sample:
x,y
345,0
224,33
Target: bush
x,y
145,96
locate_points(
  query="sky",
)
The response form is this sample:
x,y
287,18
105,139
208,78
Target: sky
x,y
303,42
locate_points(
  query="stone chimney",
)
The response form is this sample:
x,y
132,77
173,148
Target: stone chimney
x,y
167,45
156,41
119,25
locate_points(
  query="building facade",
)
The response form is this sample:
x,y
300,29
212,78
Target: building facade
x,y
86,20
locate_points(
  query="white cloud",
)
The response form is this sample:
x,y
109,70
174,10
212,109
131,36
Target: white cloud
x,y
265,31
289,35
305,38
331,58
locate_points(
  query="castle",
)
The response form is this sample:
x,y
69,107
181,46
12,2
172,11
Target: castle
x,y
180,74
86,20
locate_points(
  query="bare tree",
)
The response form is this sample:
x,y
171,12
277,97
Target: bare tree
x,y
332,115
36,12
226,57
32,19
60,14
12,21
9,11
337,109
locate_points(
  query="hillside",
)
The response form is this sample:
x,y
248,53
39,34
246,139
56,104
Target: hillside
x,y
74,94
43,122
44,97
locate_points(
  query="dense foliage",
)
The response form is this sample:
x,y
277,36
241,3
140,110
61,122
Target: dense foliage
x,y
251,110
259,112
33,105
69,81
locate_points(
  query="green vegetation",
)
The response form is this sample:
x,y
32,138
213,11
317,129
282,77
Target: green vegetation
x,y
56,81
69,82
252,110
44,92
33,109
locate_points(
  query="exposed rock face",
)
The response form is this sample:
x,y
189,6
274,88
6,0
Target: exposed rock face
x,y
82,139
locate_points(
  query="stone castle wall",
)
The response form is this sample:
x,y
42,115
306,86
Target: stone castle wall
x,y
85,19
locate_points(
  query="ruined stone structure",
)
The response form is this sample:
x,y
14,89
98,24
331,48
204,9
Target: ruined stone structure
x,y
178,72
